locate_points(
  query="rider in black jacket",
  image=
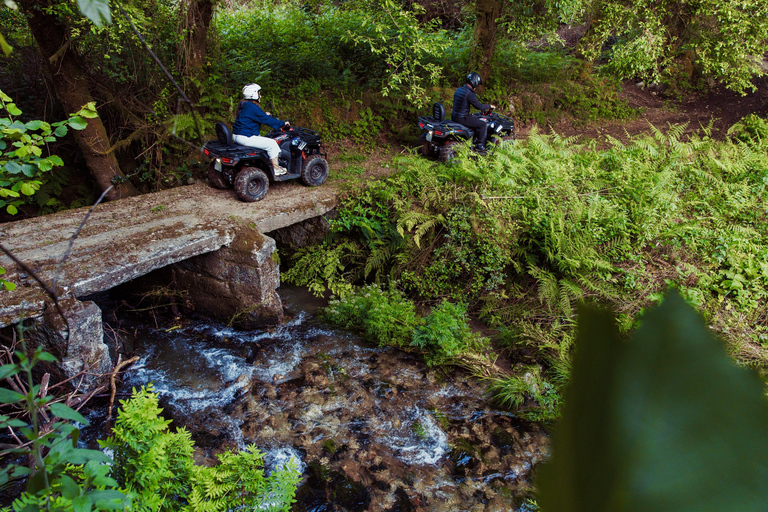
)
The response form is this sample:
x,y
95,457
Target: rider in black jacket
x,y
462,99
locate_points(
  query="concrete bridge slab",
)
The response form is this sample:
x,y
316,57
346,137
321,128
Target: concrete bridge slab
x,y
125,239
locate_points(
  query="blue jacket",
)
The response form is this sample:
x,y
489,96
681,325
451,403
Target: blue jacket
x,y
462,99
250,117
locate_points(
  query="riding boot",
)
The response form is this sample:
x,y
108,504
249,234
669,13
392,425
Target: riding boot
x,y
480,149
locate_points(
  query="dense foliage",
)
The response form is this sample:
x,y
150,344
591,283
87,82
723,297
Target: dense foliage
x,y
523,235
22,163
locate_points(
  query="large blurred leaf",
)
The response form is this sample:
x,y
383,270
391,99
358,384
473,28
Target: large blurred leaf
x,y
95,10
664,422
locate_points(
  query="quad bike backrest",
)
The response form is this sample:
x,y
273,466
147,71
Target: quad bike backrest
x,y
438,112
223,135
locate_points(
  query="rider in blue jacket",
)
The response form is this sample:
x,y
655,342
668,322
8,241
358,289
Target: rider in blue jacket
x,y
462,99
247,127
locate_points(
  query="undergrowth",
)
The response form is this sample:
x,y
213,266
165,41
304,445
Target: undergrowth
x,y
523,235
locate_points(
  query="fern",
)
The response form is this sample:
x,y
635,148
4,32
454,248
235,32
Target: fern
x,y
155,466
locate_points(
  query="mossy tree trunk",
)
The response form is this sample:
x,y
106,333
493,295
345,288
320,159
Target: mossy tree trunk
x,y
69,81
198,19
487,13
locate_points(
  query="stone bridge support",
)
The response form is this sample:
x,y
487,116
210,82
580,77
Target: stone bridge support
x,y
236,284
83,356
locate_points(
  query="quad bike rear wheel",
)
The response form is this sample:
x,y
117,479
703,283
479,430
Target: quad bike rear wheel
x,y
448,151
216,178
251,184
315,171
425,149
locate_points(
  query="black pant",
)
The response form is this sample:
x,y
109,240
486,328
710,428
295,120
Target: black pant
x,y
480,127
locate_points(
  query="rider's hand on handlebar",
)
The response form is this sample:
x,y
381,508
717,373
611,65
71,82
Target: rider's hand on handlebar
x,y
493,107
286,125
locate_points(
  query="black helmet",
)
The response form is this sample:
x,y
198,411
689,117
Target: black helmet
x,y
474,80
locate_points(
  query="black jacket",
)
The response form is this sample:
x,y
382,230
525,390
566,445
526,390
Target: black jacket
x,y
462,99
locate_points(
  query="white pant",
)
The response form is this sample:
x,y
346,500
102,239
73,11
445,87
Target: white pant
x,y
259,142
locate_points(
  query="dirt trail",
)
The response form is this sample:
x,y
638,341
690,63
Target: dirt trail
x,y
721,107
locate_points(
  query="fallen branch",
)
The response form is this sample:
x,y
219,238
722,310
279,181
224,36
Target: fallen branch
x,y
113,379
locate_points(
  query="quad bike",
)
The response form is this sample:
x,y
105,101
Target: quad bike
x,y
249,170
439,137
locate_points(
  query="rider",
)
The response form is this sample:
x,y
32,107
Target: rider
x,y
462,99
248,123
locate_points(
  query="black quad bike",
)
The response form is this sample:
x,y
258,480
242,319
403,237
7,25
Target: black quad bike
x,y
249,170
439,137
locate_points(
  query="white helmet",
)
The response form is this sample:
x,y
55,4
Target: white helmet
x,y
251,92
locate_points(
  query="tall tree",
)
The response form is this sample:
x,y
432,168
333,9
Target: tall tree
x,y
52,34
658,39
198,19
487,14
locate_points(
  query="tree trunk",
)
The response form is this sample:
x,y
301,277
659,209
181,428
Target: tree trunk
x,y
199,14
69,82
487,12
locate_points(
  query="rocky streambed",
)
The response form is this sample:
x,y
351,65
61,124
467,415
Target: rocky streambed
x,y
371,428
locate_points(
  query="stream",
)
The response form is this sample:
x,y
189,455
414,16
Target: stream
x,y
372,429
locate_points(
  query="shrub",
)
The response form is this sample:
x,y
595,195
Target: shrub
x,y
384,316
446,334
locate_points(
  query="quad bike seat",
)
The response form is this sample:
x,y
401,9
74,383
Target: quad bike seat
x,y
223,134
438,112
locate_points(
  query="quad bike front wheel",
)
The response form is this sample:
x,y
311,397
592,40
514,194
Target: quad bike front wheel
x,y
315,171
251,184
502,142
216,178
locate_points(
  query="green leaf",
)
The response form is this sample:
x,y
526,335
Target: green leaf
x,y
7,370
44,165
81,504
8,396
4,46
27,189
12,168
36,483
108,499
69,489
12,109
45,356
88,111
95,10
13,211
56,160
35,124
60,131
666,422
81,456
77,123
67,413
